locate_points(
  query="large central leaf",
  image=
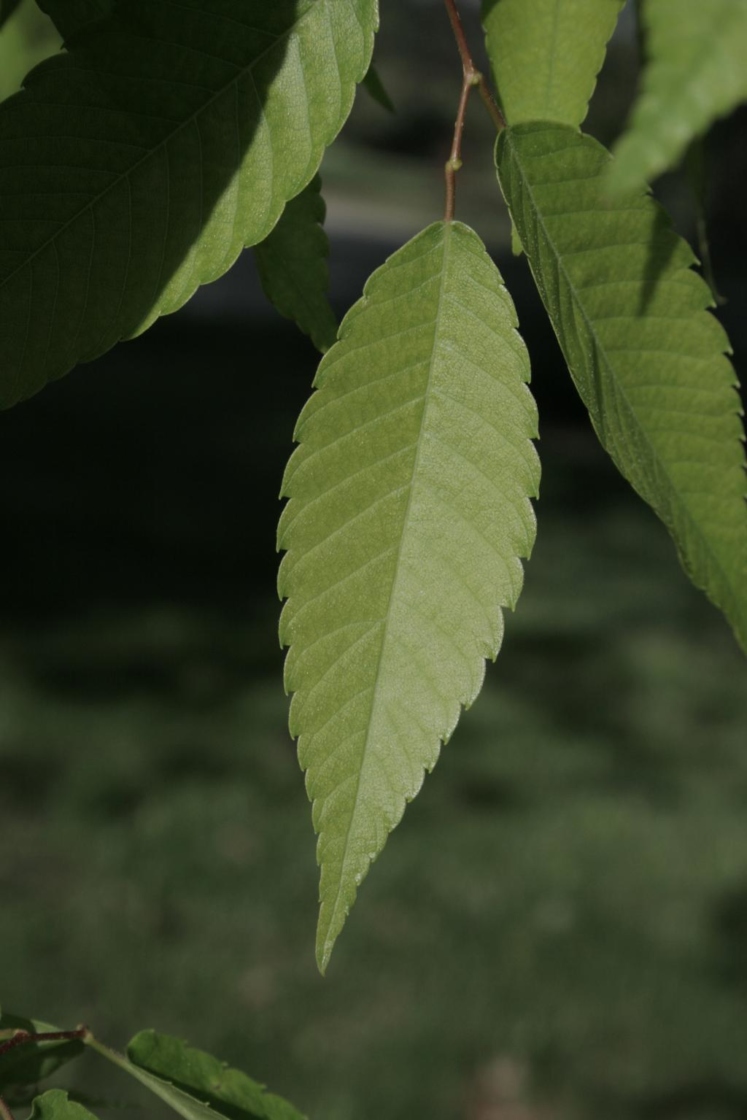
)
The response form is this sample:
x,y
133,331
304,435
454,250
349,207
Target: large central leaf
x,y
409,509
136,167
646,356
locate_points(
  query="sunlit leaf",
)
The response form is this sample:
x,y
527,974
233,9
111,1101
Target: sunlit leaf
x,y
546,54
409,510
136,166
227,1091
56,1105
292,265
696,72
646,356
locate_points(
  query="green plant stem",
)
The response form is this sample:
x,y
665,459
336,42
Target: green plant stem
x,y
471,77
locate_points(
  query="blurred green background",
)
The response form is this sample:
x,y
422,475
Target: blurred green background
x,y
557,929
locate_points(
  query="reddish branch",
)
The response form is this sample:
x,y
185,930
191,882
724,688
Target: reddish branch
x,y
21,1037
471,77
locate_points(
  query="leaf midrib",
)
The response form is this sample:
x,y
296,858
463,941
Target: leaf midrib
x,y
659,463
151,152
447,229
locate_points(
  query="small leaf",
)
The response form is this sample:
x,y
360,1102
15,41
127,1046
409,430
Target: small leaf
x,y
292,265
645,354
7,7
377,90
197,1085
409,510
546,54
137,165
70,17
56,1105
25,1066
696,72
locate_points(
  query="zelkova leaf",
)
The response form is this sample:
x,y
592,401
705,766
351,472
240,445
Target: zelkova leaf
x,y
194,1084
546,54
7,7
137,165
70,17
696,72
56,1105
409,510
376,89
292,264
225,1091
646,356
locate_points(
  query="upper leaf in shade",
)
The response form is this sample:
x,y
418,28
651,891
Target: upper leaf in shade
x,y
7,7
546,54
377,90
72,16
409,510
199,1086
696,71
56,1105
647,358
136,166
292,265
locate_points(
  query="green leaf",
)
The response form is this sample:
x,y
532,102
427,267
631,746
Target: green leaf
x,y
409,509
72,16
696,72
56,1105
23,1067
647,358
546,54
136,166
292,264
193,1083
7,7
377,90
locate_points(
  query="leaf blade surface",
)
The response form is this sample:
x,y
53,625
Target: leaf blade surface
x,y
409,511
646,356
56,1105
696,72
546,54
137,166
213,1086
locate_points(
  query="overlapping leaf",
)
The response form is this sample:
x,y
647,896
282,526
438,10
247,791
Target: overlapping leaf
x,y
696,72
23,1067
7,7
56,1105
194,1074
70,17
292,264
194,1084
136,166
546,54
645,354
409,509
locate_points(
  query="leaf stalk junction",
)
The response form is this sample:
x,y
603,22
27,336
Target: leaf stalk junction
x,y
471,78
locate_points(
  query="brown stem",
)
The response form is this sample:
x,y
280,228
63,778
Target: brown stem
x,y
471,77
5,1113
21,1037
